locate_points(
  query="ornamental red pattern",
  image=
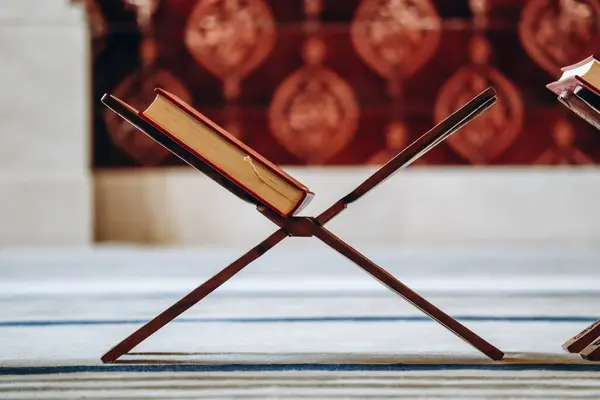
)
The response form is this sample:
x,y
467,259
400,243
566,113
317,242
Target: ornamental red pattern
x,y
395,37
230,38
556,33
330,82
564,152
314,114
492,133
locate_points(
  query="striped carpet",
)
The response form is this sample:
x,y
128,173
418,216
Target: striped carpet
x,y
300,323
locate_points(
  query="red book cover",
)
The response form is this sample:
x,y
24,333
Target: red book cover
x,y
196,160
569,84
307,194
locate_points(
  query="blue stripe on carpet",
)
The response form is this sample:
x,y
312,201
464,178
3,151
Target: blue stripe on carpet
x,y
311,294
364,319
293,367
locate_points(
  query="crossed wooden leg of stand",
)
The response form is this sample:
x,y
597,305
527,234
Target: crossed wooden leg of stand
x,y
302,227
308,227
586,343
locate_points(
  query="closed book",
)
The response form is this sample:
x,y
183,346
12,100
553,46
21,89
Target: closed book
x,y
239,164
578,89
584,73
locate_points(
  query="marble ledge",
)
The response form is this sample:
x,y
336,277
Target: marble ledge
x,y
45,209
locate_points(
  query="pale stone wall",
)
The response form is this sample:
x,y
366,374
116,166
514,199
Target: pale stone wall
x,y
45,190
421,207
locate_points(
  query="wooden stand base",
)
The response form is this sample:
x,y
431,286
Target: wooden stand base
x,y
583,339
586,343
303,227
592,352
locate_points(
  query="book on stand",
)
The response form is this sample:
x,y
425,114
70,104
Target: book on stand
x,y
277,196
204,145
578,89
190,134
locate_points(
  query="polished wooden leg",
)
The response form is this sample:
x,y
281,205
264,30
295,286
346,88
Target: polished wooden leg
x,y
192,298
583,339
592,352
411,296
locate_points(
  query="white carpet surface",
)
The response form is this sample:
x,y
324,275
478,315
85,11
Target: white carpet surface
x,y
302,322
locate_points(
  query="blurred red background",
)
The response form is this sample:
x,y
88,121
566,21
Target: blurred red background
x,y
347,82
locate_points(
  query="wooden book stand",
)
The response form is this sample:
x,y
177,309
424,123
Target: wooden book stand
x,y
582,98
310,226
578,92
586,343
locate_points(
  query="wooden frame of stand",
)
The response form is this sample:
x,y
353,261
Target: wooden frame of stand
x,y
310,226
586,342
